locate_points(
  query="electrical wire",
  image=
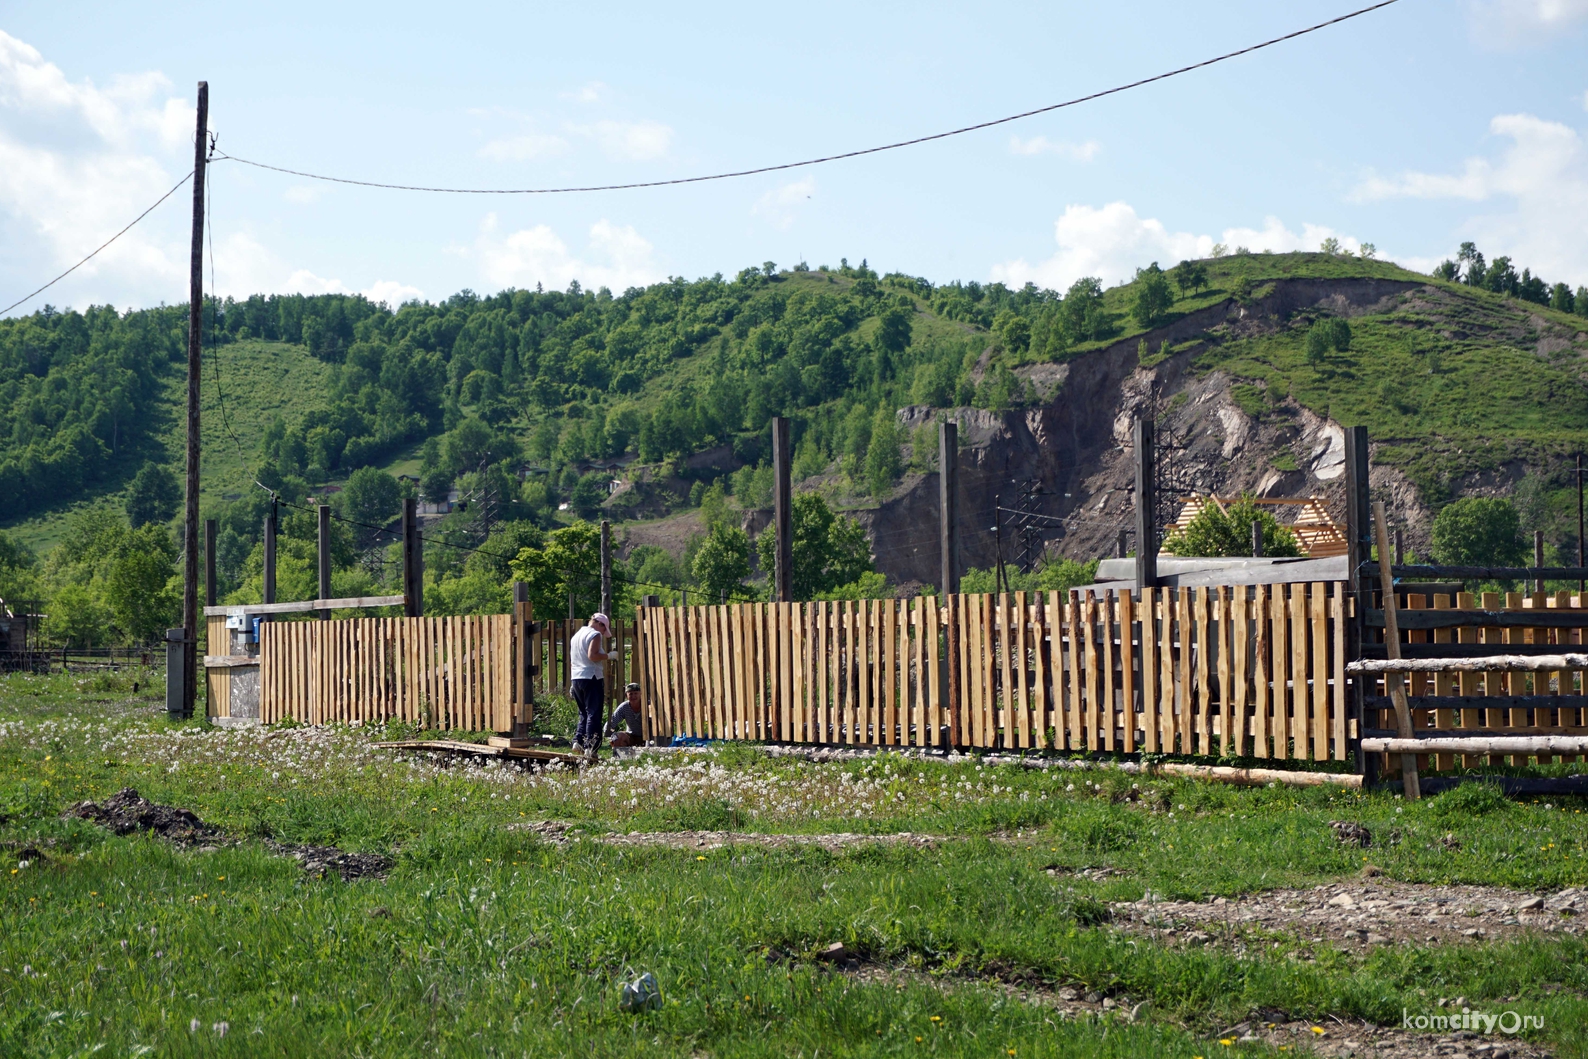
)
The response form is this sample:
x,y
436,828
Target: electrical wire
x,y
102,246
834,157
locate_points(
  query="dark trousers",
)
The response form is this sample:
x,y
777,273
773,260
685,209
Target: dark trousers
x,y
589,695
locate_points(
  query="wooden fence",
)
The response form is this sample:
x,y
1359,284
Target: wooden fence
x,y
1255,670
1484,704
549,655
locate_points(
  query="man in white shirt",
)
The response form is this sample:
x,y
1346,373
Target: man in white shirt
x,y
587,666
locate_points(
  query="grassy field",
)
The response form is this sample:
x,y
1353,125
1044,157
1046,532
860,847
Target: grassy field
x,y
487,940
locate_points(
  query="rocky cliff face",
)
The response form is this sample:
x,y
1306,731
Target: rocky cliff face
x,y
1074,447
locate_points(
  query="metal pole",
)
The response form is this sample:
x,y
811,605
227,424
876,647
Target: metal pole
x,y
948,505
782,515
324,512
1146,506
606,568
195,351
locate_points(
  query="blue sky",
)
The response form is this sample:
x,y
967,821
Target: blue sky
x,y
1416,127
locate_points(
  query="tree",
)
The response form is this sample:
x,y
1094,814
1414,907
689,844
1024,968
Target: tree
x,y
1189,276
588,494
140,584
372,499
570,561
1560,298
154,495
1330,246
1153,297
893,328
1479,531
1218,531
1082,312
830,550
1448,271
723,561
17,563
1317,344
883,459
1369,251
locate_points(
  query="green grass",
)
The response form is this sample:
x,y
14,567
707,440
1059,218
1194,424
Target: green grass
x,y
485,941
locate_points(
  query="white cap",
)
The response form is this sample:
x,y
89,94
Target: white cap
x,y
602,619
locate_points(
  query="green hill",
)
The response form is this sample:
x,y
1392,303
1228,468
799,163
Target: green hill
x,y
683,377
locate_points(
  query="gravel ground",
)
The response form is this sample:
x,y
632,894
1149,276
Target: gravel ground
x,y
1357,914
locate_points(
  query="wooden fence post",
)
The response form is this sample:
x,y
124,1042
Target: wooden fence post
x,y
1146,505
948,505
782,517
524,675
324,555
413,562
209,563
1359,589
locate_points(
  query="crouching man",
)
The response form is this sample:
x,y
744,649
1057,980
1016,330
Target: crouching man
x,y
626,727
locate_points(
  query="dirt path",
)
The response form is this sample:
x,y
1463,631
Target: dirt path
x,y
1357,914
557,831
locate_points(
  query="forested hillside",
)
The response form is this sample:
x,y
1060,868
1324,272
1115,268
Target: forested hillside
x,y
527,404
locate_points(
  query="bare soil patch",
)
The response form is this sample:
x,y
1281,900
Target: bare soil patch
x,y
127,812
1357,914
1329,1037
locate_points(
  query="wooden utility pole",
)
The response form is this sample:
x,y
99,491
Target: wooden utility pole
x,y
948,504
782,515
413,562
522,614
1257,538
1145,438
209,564
268,593
606,568
324,539
195,349
1538,558
1580,584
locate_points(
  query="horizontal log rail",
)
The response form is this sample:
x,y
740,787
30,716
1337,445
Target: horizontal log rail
x,y
1532,663
1496,744
1551,618
1542,701
1447,651
1485,573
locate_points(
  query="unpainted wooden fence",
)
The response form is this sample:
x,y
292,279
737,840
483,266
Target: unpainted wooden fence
x,y
1257,670
1507,703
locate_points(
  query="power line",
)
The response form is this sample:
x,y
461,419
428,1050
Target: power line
x,y
832,157
102,246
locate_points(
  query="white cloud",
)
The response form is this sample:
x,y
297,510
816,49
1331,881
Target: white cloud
x,y
1113,241
778,206
77,162
245,266
1513,22
1075,152
524,148
1542,174
630,141
617,257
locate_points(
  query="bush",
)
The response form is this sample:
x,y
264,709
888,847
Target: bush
x,y
1218,532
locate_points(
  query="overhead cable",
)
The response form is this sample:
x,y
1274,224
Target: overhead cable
x,y
831,157
102,246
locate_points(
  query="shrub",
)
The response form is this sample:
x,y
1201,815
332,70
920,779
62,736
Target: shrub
x,y
1218,531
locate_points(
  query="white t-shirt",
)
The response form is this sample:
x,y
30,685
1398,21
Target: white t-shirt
x,y
579,648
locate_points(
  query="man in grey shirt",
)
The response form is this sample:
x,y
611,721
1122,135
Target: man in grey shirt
x,y
626,727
